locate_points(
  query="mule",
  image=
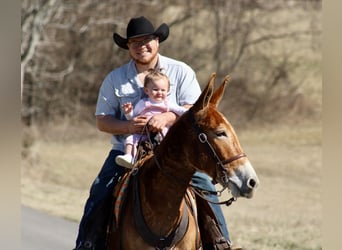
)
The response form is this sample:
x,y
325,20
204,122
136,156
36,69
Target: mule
x,y
157,214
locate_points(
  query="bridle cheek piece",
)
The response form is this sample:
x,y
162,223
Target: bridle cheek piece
x,y
219,163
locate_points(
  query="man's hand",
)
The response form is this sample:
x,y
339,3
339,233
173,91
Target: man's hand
x,y
160,121
136,125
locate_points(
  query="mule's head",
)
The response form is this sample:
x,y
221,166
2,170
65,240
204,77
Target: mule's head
x,y
220,154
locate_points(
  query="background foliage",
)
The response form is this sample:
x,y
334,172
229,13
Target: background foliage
x,y
270,48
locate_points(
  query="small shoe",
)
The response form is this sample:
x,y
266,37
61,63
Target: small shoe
x,y
124,160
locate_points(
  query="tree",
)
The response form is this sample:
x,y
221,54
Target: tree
x,y
271,49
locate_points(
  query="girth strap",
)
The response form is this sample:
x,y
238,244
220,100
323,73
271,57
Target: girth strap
x,y
160,242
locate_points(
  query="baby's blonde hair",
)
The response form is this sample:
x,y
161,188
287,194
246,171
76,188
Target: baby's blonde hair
x,y
154,74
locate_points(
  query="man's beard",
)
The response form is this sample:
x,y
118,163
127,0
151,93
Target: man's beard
x,y
146,61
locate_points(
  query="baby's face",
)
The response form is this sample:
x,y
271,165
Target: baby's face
x,y
157,90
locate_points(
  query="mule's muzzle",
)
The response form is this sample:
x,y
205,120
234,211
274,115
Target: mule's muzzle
x,y
243,181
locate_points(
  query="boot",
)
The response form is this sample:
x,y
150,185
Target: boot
x,y
235,247
95,229
211,235
87,245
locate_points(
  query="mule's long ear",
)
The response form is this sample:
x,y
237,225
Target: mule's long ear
x,y
218,94
204,99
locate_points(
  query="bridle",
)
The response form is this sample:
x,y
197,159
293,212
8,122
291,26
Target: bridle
x,y
220,169
219,164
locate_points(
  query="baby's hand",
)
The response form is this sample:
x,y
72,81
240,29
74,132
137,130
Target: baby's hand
x,y
127,107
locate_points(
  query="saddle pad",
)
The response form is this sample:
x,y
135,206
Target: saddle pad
x,y
121,193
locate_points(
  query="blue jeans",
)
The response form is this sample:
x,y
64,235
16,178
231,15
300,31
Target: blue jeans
x,y
102,189
203,181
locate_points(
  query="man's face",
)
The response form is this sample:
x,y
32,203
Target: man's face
x,y
143,49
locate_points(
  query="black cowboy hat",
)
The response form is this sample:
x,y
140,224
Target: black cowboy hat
x,y
141,26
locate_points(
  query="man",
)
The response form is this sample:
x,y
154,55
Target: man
x,y
122,85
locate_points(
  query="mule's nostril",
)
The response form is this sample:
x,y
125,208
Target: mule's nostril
x,y
251,183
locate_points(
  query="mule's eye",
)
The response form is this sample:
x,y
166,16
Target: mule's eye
x,y
221,133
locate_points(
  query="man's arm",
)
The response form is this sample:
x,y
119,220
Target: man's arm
x,y
111,125
159,121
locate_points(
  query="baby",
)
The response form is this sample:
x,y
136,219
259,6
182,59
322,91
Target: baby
x,y
156,87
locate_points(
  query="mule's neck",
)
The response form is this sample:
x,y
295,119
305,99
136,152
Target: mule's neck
x,y
167,178
163,184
